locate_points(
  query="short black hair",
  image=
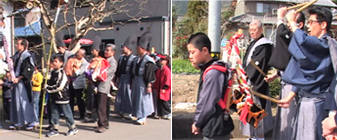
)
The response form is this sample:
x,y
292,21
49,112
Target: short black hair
x,y
200,40
24,42
59,57
323,14
300,18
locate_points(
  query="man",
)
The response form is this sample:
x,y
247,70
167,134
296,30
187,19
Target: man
x,y
123,104
209,117
329,124
91,114
309,71
259,52
62,48
78,66
162,88
104,89
22,111
285,117
144,77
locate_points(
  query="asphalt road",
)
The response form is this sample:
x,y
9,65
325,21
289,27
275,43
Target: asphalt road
x,y
119,130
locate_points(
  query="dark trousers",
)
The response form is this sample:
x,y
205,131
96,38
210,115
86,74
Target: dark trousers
x,y
163,107
49,111
90,105
7,107
101,103
108,103
76,93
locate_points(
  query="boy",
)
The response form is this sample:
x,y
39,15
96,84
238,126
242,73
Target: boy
x,y
209,117
7,93
59,96
37,80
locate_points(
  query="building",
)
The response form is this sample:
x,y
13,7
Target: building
x,y
266,11
155,18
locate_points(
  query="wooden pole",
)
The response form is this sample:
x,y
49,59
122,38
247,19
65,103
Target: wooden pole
x,y
263,96
297,6
257,68
305,6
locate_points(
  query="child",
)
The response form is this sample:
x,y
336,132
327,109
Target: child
x,y
37,80
56,87
210,120
7,93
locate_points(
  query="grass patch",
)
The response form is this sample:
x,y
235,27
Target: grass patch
x,y
183,66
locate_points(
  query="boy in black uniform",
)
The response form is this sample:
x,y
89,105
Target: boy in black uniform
x,y
56,87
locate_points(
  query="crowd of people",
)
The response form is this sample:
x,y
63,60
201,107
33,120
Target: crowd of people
x,y
142,83
304,61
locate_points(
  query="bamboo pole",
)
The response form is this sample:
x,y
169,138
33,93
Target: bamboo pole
x,y
45,77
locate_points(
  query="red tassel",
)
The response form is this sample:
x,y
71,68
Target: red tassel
x,y
244,113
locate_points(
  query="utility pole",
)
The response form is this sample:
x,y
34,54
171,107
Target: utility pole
x,y
214,12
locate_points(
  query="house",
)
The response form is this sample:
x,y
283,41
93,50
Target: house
x,y
266,11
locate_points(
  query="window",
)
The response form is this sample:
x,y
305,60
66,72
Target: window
x,y
263,8
107,41
19,20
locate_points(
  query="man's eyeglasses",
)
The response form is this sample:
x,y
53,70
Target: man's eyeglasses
x,y
312,21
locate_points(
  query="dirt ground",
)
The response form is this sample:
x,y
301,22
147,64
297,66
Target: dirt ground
x,y
184,89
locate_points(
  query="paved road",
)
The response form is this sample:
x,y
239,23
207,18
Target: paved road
x,y
119,130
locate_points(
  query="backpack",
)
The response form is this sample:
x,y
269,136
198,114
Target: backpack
x,y
219,124
224,102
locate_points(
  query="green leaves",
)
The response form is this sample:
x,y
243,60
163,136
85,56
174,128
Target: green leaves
x,y
183,66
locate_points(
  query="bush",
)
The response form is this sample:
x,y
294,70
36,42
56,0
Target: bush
x,y
275,88
183,66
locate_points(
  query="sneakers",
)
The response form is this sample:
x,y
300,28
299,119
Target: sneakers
x,y
52,133
32,126
15,126
72,132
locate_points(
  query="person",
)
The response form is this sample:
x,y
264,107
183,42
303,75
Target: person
x,y
309,71
62,48
104,89
76,68
91,114
7,90
162,87
59,98
285,117
123,104
37,80
259,52
22,110
329,125
143,79
209,117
